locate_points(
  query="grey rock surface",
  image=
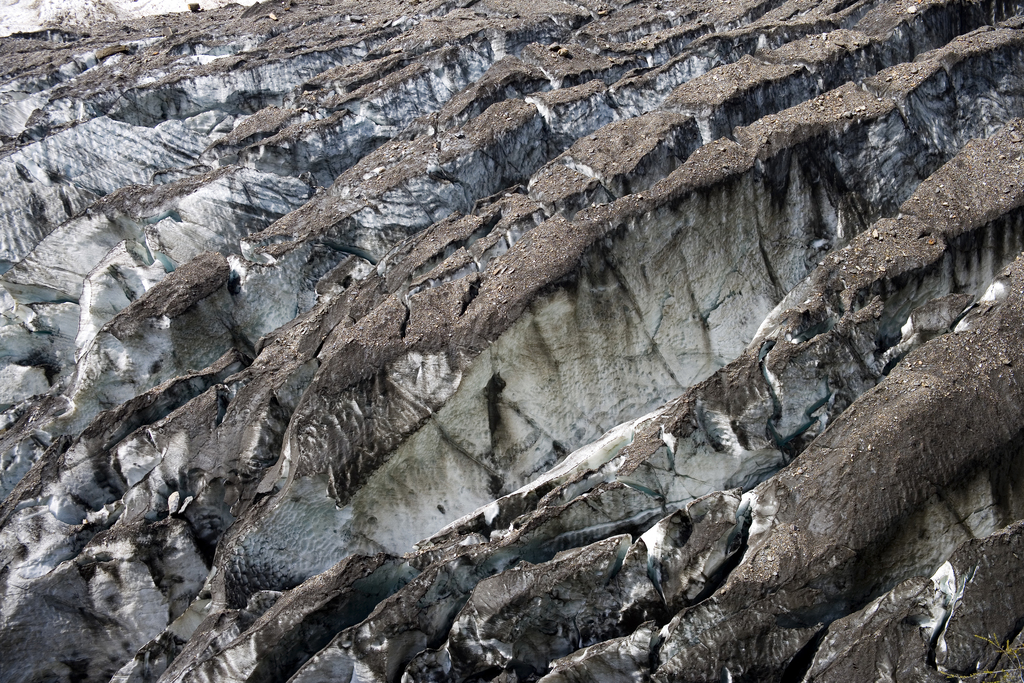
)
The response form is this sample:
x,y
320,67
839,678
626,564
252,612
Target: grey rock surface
x,y
419,340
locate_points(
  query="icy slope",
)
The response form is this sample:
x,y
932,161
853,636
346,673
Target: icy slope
x,y
422,341
26,16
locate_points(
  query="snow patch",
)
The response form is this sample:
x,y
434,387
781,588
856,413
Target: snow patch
x,y
34,15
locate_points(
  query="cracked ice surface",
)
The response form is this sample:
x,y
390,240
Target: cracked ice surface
x,y
443,341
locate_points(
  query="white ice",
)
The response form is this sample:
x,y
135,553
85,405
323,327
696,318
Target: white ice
x,y
34,15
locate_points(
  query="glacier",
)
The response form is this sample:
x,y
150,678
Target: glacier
x,y
434,340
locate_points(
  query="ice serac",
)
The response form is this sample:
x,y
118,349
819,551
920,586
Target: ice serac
x,y
431,341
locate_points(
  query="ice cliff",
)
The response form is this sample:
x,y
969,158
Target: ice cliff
x,y
479,340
